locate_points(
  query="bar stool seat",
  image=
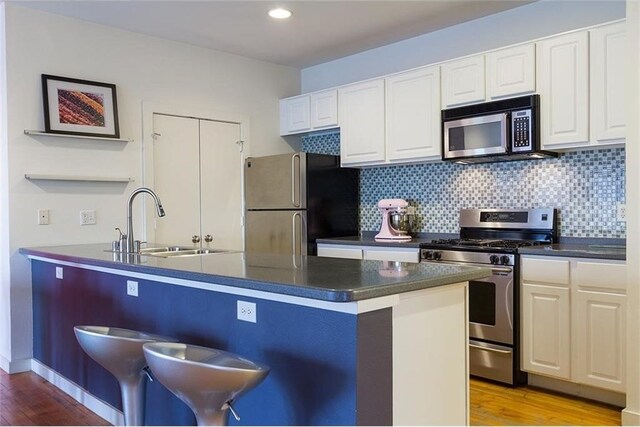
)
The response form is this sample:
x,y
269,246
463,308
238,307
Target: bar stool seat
x,y
206,379
119,351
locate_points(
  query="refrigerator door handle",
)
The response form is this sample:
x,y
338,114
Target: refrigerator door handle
x,y
295,179
297,250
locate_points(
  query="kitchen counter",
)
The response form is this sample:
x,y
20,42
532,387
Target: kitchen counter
x,y
613,249
368,239
349,342
329,279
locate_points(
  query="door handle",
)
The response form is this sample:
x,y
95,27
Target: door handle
x,y
296,248
295,179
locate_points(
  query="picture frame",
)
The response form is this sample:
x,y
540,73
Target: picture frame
x,y
79,107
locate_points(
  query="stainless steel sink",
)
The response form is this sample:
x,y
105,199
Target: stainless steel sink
x,y
179,251
184,252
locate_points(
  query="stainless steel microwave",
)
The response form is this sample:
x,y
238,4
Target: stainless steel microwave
x,y
502,130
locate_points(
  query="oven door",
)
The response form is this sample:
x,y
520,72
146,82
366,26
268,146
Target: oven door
x,y
491,306
476,136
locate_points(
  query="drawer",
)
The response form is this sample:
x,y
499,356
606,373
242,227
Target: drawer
x,y
401,255
545,270
604,275
336,252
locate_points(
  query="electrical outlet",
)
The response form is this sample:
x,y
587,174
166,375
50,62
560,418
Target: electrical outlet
x,y
622,212
247,311
88,217
58,272
132,288
43,216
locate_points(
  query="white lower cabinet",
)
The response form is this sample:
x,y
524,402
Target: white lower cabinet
x,y
377,253
574,320
600,339
546,344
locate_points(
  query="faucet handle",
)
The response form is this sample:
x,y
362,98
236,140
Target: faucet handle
x,y
195,239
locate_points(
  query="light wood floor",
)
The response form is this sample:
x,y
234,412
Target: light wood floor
x,y
27,399
496,405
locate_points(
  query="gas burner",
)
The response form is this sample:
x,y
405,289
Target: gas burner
x,y
488,243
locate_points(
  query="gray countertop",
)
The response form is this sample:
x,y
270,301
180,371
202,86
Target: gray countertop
x,y
577,247
329,279
577,250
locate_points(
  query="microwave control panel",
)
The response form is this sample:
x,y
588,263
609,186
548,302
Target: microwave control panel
x,y
521,136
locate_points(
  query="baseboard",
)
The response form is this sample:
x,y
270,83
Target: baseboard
x,y
16,366
630,418
579,390
95,405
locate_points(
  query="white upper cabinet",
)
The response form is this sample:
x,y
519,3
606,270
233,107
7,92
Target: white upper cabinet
x,y
607,65
413,115
563,84
294,115
463,81
304,113
324,109
511,72
362,138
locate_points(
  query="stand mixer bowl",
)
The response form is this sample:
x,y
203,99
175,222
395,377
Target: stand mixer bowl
x,y
402,222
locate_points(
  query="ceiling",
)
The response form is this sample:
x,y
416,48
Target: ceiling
x,y
319,30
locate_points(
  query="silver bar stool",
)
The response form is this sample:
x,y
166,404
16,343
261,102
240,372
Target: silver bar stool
x,y
119,351
206,379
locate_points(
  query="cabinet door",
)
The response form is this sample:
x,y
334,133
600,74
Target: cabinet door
x,y
463,81
600,328
413,115
563,83
607,62
324,109
361,109
546,343
294,115
176,162
511,72
221,165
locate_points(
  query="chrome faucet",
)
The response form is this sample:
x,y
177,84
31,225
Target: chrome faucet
x,y
132,245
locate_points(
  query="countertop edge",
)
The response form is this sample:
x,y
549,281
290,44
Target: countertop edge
x,y
327,295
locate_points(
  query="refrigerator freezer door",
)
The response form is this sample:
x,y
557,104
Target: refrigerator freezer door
x,y
276,182
277,232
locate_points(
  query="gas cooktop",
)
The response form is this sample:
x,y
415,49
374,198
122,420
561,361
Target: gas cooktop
x,y
486,243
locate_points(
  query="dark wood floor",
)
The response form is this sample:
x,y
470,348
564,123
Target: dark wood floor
x,y
27,399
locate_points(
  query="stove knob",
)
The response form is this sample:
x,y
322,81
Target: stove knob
x,y
494,259
437,256
428,255
504,260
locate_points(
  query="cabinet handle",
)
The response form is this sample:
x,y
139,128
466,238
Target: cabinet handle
x,y
195,239
295,178
208,238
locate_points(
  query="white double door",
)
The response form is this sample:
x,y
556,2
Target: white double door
x,y
197,168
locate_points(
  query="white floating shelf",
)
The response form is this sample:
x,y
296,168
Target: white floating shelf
x,y
60,135
42,177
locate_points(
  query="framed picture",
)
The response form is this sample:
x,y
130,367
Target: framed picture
x,y
79,107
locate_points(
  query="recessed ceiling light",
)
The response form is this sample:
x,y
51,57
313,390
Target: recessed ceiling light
x,y
280,13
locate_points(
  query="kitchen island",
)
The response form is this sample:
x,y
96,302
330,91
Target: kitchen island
x,y
348,342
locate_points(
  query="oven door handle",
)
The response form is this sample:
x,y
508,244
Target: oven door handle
x,y
489,348
494,269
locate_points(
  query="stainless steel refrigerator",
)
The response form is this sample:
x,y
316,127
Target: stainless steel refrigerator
x,y
293,199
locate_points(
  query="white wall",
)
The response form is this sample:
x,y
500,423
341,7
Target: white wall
x,y
143,69
524,23
631,414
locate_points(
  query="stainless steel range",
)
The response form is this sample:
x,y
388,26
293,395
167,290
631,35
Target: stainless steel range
x,y
491,237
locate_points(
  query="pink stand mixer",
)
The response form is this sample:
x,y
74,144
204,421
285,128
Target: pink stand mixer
x,y
387,232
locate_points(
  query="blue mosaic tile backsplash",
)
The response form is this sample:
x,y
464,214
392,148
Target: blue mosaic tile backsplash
x,y
585,187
